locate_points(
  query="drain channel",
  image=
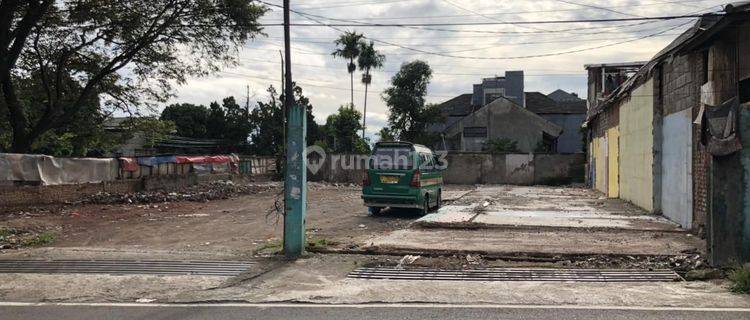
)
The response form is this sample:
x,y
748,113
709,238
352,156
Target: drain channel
x,y
155,267
514,274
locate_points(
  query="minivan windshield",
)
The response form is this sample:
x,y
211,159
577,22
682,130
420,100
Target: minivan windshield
x,y
392,158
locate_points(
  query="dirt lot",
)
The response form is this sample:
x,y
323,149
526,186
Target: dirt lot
x,y
238,225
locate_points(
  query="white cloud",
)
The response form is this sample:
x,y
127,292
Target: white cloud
x,y
326,82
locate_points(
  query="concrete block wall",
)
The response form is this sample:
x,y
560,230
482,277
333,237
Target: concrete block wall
x,y
478,168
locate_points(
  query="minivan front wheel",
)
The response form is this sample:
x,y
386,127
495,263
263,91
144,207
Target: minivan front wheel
x,y
374,210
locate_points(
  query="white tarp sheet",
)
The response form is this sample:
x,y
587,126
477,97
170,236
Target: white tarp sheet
x,y
54,171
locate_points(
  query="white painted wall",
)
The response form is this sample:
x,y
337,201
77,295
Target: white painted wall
x,y
677,175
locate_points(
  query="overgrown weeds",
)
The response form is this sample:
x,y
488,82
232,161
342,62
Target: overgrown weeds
x,y
740,278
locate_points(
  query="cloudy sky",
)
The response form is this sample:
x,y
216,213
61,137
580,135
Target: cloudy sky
x,y
325,80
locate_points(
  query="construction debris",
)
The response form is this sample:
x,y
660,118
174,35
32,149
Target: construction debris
x,y
407,260
199,193
680,263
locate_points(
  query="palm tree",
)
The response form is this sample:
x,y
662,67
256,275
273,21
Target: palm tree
x,y
347,47
369,58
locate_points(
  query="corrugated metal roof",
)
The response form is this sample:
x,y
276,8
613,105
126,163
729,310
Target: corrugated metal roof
x,y
708,24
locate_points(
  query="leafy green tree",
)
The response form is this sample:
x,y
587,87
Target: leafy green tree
x,y
342,128
153,129
368,59
266,137
348,47
385,135
237,124
313,129
216,122
267,123
82,135
405,98
228,121
190,120
158,42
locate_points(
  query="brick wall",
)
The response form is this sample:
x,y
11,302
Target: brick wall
x,y
701,165
682,80
609,118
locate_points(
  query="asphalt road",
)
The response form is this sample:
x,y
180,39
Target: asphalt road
x,y
12,311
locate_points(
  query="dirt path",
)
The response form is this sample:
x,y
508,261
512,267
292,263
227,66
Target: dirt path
x,y
238,225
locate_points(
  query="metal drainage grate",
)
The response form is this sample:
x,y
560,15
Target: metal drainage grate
x,y
155,267
513,274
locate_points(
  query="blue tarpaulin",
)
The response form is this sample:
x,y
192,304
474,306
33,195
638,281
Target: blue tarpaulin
x,y
154,161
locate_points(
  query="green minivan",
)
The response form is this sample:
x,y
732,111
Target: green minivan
x,y
402,175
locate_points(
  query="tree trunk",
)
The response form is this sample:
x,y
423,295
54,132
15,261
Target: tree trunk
x,y
351,76
364,114
21,142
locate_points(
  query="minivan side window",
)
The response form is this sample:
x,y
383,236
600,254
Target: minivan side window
x,y
427,162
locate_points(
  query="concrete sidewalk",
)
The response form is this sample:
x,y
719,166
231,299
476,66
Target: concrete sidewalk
x,y
323,279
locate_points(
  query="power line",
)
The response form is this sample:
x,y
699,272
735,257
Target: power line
x,y
485,16
494,45
673,2
351,4
598,8
372,24
359,23
509,57
455,24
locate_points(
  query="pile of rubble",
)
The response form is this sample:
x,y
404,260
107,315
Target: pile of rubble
x,y
216,190
680,263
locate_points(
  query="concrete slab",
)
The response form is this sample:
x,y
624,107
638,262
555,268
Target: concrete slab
x,y
526,241
322,279
449,215
453,195
543,207
573,219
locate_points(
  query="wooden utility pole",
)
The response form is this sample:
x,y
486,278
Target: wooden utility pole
x,y
295,177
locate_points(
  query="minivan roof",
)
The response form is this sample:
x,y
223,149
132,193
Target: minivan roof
x,y
417,147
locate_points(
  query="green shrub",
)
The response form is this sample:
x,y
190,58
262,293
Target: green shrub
x,y
40,240
502,145
740,278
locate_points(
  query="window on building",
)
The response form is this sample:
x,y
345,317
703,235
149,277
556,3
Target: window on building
x,y
705,66
548,144
475,132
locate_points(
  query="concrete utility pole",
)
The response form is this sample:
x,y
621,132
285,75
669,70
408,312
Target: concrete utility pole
x,y
295,177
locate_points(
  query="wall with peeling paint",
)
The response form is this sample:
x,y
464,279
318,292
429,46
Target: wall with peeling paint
x,y
676,163
613,162
600,164
637,147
